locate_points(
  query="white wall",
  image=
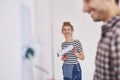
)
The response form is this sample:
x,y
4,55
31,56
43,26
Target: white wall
x,y
10,40
86,31
43,33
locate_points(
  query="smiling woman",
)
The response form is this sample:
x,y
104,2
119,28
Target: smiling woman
x,y
84,30
71,67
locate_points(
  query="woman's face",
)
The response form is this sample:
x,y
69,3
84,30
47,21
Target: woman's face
x,y
67,31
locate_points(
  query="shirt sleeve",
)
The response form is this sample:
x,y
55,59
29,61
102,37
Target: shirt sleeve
x,y
78,46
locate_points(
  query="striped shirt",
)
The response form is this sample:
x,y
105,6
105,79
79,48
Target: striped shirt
x,y
108,51
70,57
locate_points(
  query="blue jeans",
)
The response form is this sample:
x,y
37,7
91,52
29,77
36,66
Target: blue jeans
x,y
77,73
72,71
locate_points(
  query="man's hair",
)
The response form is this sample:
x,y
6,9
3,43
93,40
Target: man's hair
x,y
117,1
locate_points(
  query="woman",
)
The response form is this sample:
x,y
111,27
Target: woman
x,y
71,67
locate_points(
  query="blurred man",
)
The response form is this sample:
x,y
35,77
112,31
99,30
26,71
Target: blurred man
x,y
108,51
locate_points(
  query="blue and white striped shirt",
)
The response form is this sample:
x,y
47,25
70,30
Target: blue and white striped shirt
x,y
70,57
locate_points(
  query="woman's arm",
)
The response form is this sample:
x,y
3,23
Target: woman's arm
x,y
80,55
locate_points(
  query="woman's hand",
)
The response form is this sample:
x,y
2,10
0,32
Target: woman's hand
x,y
63,57
74,50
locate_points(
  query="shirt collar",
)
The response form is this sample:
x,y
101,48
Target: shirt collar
x,y
110,23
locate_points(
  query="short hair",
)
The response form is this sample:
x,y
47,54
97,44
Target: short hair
x,y
117,1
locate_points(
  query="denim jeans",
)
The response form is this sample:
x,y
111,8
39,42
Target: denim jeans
x,y
77,73
72,71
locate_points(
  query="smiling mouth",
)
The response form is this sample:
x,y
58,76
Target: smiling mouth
x,y
66,34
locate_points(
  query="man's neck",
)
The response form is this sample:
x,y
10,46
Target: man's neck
x,y
114,10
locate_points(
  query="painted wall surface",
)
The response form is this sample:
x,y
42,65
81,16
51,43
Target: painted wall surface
x,y
10,40
43,33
